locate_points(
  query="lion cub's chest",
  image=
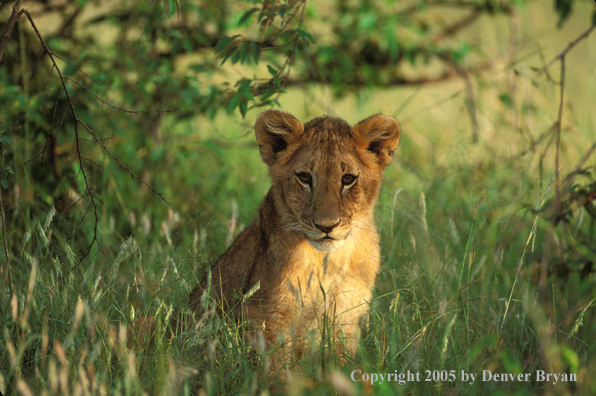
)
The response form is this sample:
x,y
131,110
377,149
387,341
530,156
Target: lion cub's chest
x,y
322,285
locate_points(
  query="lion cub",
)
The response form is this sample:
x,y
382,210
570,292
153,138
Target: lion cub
x,y
313,248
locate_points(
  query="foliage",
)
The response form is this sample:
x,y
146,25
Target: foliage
x,y
184,57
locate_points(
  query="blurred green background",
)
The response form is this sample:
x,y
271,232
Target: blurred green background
x,y
487,257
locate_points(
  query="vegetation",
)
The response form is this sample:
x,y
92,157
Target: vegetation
x,y
128,164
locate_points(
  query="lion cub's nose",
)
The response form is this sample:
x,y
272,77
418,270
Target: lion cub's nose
x,y
327,229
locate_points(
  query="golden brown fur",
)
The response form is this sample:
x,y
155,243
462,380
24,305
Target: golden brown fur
x,y
313,247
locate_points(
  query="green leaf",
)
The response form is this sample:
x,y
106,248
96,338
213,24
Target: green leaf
x,y
256,52
4,183
233,103
169,8
287,35
229,52
368,21
563,8
236,58
245,90
223,42
243,107
267,94
246,16
272,71
506,99
305,36
244,51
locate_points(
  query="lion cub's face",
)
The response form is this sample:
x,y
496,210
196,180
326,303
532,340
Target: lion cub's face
x,y
326,175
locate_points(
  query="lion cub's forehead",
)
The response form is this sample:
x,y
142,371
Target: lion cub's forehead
x,y
328,141
327,129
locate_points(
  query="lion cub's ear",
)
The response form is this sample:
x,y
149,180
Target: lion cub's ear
x,y
379,135
275,131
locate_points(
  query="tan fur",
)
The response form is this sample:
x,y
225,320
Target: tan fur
x,y
303,277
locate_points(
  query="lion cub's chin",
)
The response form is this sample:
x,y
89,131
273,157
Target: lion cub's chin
x,y
326,245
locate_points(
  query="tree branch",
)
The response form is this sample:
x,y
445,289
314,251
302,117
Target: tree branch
x,y
14,16
566,50
88,190
8,269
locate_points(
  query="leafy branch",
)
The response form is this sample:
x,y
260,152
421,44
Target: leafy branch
x,y
569,194
94,200
237,48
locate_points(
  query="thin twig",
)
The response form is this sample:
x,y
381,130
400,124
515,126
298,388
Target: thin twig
x,y
88,191
93,162
94,140
566,50
49,84
9,270
455,27
124,166
14,16
16,13
532,147
77,201
558,130
470,97
583,160
116,107
86,211
548,76
50,137
79,70
292,56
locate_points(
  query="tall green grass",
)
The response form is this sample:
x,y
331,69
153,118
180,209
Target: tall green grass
x,y
460,289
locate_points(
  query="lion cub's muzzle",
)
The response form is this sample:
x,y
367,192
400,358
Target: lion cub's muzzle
x,y
326,237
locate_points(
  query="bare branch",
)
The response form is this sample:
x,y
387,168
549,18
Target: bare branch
x,y
566,50
88,191
124,166
93,162
14,16
94,140
532,147
79,70
8,267
558,128
470,97
455,27
116,107
50,137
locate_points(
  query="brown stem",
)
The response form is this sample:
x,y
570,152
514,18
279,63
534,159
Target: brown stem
x,y
88,189
566,50
14,16
470,97
4,227
558,130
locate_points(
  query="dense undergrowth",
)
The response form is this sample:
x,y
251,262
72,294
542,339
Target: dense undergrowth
x,y
469,283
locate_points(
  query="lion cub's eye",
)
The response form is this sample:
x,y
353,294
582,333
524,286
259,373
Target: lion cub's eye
x,y
304,177
347,180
